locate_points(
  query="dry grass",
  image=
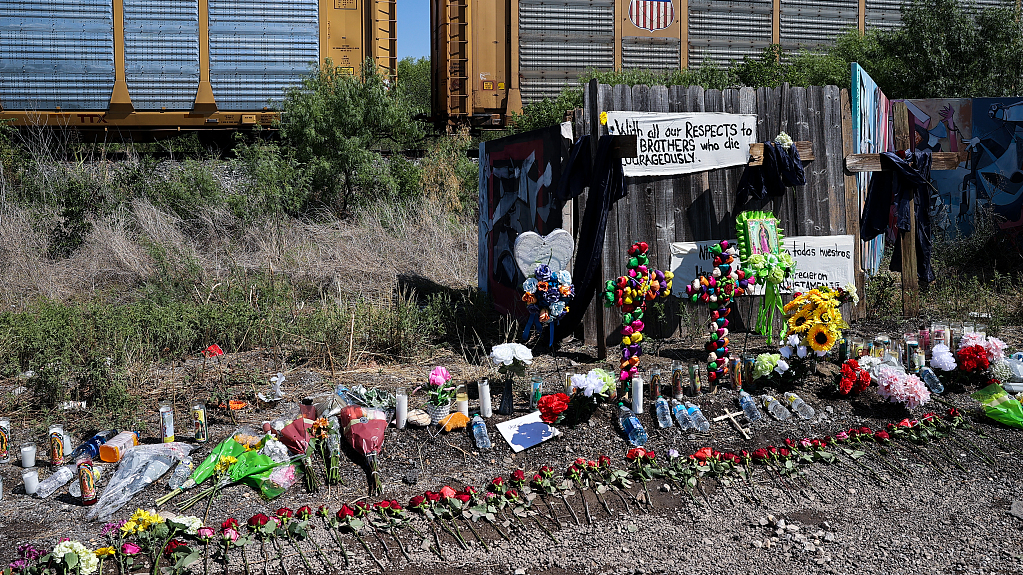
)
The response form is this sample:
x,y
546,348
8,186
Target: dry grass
x,y
361,258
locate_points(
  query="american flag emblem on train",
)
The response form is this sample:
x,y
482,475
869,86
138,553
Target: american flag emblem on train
x,y
652,14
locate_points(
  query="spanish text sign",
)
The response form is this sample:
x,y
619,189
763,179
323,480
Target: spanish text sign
x,y
820,261
670,144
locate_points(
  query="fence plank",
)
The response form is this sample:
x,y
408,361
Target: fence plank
x,y
832,145
852,205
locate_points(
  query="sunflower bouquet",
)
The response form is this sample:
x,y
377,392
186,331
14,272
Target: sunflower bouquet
x,y
814,317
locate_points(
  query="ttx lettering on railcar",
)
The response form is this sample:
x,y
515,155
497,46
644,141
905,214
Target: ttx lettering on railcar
x,y
92,119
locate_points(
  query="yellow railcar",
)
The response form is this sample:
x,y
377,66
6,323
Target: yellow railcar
x,y
155,65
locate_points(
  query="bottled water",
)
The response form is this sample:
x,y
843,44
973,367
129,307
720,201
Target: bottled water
x,y
681,414
91,447
663,412
182,472
749,407
776,409
479,432
700,422
631,426
931,380
59,479
799,406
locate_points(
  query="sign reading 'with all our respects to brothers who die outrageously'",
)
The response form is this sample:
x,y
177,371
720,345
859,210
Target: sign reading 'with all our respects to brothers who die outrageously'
x,y
684,143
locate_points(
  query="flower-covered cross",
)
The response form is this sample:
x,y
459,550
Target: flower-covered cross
x,y
631,293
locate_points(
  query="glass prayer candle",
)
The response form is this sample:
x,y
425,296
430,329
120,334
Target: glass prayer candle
x,y
486,410
167,421
400,407
462,402
31,479
28,455
56,439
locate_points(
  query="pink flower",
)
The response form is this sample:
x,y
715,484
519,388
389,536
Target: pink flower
x,y
447,492
205,533
130,549
230,535
439,376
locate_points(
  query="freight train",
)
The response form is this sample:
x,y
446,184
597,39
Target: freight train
x,y
157,65
489,57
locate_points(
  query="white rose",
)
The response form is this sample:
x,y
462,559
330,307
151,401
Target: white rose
x,y
782,366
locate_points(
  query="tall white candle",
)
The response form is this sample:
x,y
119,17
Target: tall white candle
x,y
400,408
485,408
28,455
31,479
637,395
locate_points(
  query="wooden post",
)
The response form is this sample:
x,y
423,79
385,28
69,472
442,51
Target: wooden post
x,y
910,285
852,207
592,90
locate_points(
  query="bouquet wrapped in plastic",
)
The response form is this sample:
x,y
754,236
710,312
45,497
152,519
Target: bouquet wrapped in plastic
x,y
363,429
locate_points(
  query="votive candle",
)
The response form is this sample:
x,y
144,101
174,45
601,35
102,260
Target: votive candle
x,y
400,408
31,479
28,455
485,408
462,402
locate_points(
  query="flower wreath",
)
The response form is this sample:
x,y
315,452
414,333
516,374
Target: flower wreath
x,y
547,296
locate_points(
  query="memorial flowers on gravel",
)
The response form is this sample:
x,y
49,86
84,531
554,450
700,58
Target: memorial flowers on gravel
x,y
898,386
815,318
853,379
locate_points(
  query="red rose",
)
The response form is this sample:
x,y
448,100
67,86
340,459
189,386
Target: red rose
x,y
552,406
361,508
229,524
784,452
172,545
518,476
702,454
382,505
650,455
789,443
498,481
323,511
546,470
953,412
634,453
866,430
470,490
285,513
417,501
258,520
928,417
463,497
447,492
433,496
904,423
761,454
881,435
772,449
395,507
512,494
345,513
537,479
304,512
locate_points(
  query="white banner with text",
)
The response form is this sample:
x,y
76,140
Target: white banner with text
x,y
684,143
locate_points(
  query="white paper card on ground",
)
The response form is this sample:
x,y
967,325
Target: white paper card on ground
x,y
670,144
820,260
526,431
554,250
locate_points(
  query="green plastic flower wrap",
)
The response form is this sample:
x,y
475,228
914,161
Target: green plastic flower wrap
x,y
760,241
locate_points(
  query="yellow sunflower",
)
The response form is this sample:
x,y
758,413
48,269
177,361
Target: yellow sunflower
x,y
820,338
800,322
791,306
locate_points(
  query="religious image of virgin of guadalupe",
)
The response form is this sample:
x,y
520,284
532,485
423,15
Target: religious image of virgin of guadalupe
x,y
764,240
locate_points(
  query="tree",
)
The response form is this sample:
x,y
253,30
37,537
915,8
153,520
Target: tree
x,y
338,124
413,84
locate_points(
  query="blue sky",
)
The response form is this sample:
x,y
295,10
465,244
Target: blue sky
x,y
414,28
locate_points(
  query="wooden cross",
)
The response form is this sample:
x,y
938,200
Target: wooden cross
x,y
730,416
756,153
872,163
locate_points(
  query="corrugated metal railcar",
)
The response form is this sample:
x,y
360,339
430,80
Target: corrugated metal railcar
x,y
490,57
176,64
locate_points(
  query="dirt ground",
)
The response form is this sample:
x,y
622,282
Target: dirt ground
x,y
933,520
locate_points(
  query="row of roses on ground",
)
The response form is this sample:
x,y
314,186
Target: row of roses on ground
x,y
513,505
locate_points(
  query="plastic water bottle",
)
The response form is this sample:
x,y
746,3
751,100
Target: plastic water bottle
x,y
181,473
776,409
479,432
59,479
799,406
700,422
631,426
931,380
681,414
749,407
663,411
91,447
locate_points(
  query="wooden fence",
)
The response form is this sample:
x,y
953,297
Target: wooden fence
x,y
697,207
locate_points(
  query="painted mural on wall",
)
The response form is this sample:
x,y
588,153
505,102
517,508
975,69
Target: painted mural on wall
x,y
990,130
518,176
